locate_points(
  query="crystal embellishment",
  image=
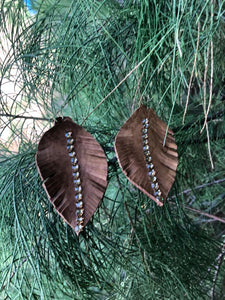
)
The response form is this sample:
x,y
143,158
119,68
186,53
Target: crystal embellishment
x,y
76,181
149,165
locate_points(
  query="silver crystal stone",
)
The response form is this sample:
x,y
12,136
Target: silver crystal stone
x,y
147,153
75,168
77,181
76,175
144,130
79,212
80,220
78,228
70,141
144,136
74,160
70,147
145,142
68,134
72,154
145,121
78,188
78,197
79,204
146,125
153,172
148,159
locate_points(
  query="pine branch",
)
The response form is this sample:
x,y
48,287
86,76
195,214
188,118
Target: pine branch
x,y
26,117
99,58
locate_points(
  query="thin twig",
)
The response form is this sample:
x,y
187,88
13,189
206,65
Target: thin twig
x,y
206,112
221,220
25,117
200,187
219,259
204,81
211,82
137,91
209,147
196,210
215,218
192,73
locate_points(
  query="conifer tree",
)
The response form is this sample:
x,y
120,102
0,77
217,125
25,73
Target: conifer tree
x,y
96,62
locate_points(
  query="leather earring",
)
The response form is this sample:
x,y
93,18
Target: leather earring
x,y
73,168
144,159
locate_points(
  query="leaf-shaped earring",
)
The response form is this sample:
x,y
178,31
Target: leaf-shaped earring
x,y
144,160
73,168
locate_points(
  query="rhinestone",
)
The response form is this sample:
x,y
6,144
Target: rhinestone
x,y
79,204
152,185
146,147
70,147
156,186
78,228
78,197
149,159
151,166
80,220
79,212
78,189
144,130
145,121
154,179
70,141
146,125
159,193
145,142
156,193
74,160
153,172
77,181
68,134
147,153
157,199
75,168
144,136
76,175
72,154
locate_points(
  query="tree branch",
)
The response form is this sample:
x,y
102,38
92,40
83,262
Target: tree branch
x,y
25,117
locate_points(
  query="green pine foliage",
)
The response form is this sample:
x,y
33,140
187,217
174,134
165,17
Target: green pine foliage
x,y
96,61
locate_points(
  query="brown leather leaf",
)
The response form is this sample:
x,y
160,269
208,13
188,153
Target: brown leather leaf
x,y
144,160
73,168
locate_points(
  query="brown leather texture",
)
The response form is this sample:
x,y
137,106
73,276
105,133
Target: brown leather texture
x,y
131,157
55,168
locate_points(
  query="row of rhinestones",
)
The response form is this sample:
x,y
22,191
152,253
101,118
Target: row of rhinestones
x,y
148,159
76,182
